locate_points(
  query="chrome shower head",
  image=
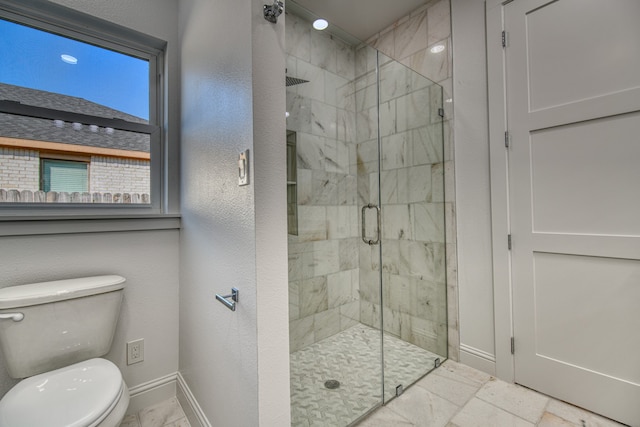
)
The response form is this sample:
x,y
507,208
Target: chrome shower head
x,y
272,11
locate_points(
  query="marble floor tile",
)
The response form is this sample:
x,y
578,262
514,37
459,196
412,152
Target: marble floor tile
x,y
423,408
513,398
578,416
452,395
164,414
550,420
130,421
385,417
478,413
462,373
182,422
455,391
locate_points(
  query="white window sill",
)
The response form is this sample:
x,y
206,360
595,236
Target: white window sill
x,y
30,226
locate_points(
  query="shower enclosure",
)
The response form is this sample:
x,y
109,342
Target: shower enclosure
x,y
367,287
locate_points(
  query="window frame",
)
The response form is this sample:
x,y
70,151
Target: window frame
x,y
66,22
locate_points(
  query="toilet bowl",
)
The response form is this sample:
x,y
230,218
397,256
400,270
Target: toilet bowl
x,y
52,335
86,394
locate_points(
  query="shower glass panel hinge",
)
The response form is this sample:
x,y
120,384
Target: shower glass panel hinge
x,y
441,112
504,39
506,138
399,390
436,363
509,241
513,346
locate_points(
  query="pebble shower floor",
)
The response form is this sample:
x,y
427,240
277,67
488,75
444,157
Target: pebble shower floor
x,y
351,357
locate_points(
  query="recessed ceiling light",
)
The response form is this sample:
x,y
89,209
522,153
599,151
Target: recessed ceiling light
x,y
437,48
69,59
320,24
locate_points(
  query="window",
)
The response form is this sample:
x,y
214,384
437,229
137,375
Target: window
x,y
64,176
80,109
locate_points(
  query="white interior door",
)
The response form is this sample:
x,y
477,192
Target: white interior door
x,y
573,111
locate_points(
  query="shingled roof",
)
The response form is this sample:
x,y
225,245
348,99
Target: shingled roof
x,y
14,126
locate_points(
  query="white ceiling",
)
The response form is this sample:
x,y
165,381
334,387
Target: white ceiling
x,y
361,18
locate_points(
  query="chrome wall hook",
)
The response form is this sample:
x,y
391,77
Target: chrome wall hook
x,y
272,11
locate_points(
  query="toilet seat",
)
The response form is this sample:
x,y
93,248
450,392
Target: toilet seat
x,y
79,395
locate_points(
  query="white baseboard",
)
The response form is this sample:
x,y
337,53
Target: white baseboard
x,y
151,392
190,405
479,359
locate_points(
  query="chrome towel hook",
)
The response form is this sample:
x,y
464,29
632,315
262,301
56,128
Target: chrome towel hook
x,y
272,11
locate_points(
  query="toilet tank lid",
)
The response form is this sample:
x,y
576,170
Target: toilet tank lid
x,y
58,290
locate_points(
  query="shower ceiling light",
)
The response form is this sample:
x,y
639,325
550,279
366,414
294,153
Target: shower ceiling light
x,y
320,24
437,48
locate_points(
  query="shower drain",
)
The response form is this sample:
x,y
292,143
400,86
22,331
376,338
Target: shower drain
x,y
332,384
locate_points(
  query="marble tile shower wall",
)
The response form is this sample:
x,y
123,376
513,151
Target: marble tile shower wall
x,y
331,287
411,188
410,41
323,257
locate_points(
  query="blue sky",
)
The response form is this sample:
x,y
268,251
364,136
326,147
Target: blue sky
x,y
32,58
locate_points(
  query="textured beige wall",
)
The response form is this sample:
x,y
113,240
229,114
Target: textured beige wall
x,y
235,363
475,272
149,262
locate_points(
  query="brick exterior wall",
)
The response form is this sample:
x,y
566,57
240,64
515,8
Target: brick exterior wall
x,y
19,169
114,175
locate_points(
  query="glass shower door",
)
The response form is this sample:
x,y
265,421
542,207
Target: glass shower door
x,y
413,282
366,226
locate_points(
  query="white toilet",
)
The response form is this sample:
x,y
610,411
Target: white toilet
x,y
52,334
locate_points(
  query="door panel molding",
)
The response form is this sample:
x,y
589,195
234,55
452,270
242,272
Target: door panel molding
x,y
532,299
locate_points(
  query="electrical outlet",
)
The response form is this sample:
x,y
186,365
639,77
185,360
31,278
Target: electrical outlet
x,y
135,351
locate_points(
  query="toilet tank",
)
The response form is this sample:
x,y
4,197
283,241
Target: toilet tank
x,y
65,321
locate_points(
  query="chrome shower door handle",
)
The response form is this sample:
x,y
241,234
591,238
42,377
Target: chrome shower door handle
x,y
364,233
